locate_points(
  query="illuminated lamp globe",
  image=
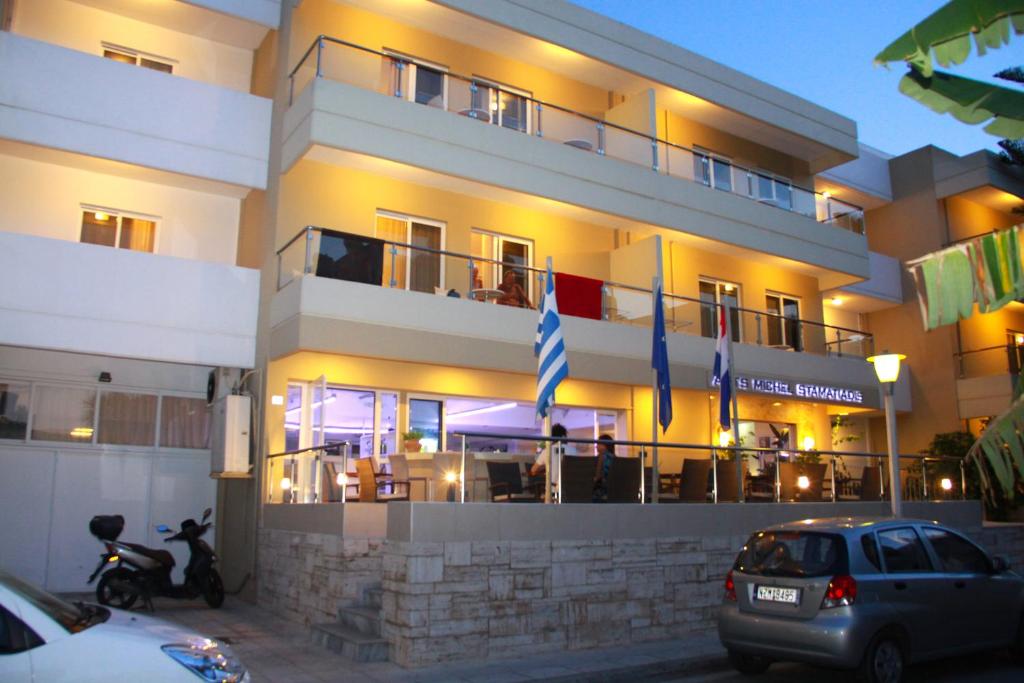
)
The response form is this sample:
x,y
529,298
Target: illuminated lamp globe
x,y
946,484
286,483
450,477
887,366
808,443
803,482
724,438
341,479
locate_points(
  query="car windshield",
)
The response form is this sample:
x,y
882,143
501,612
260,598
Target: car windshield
x,y
72,617
793,554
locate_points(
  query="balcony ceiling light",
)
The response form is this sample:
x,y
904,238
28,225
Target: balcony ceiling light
x,y
836,301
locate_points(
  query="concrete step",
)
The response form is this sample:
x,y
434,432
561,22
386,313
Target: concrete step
x,y
366,620
359,647
372,597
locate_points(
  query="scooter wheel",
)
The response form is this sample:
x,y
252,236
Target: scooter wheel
x,y
109,593
214,591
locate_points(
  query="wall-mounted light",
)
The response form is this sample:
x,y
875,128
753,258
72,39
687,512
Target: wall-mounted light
x,y
277,400
1019,339
808,443
837,301
724,438
286,483
946,484
341,479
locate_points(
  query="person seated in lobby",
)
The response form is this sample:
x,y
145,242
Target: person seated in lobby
x,y
540,465
513,293
605,457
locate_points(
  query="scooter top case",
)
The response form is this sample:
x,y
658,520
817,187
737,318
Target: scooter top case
x,y
106,527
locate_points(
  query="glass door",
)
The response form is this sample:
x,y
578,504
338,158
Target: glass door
x,y
514,257
418,270
713,294
784,323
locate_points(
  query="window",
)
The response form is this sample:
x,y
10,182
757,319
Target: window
x,y
713,294
784,322
14,399
418,270
129,56
867,542
112,229
1015,351
184,422
903,551
773,190
425,416
512,254
712,170
292,417
955,553
63,414
506,106
793,553
127,419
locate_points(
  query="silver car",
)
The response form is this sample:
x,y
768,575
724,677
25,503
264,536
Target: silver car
x,y
874,594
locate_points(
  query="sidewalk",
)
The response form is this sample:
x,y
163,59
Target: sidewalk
x,y
279,651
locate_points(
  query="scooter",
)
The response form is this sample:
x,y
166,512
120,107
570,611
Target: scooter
x,y
148,571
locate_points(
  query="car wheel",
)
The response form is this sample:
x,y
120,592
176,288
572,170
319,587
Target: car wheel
x,y
883,661
110,594
749,665
214,593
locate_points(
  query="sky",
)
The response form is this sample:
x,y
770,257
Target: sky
x,y
822,51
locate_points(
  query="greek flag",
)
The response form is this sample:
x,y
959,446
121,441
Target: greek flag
x,y
721,372
552,365
659,361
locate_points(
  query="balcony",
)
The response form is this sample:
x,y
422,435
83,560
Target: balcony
x,y
335,297
85,298
54,97
351,98
986,379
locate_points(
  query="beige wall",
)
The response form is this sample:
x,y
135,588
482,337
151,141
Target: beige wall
x,y
83,28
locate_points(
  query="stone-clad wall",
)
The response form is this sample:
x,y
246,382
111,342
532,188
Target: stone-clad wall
x,y
446,601
306,576
1003,539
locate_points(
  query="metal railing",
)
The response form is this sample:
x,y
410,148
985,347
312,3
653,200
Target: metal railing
x,y
735,474
481,278
492,103
991,360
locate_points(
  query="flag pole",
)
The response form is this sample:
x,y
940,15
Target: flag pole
x,y
656,284
735,422
547,426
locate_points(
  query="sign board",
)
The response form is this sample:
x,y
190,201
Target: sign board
x,y
802,390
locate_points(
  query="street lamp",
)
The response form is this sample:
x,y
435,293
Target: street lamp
x,y
887,367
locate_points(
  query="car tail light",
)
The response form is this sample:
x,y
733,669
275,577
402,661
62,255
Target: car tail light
x,y
842,591
730,587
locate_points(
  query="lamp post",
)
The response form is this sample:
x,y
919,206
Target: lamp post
x,y
887,367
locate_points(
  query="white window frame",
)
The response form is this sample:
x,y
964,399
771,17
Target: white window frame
x,y
781,321
119,214
138,56
409,220
708,158
413,64
499,239
776,180
718,299
494,105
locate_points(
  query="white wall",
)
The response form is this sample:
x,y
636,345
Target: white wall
x,y
84,28
86,298
44,199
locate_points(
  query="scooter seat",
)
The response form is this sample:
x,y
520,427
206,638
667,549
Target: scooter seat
x,y
162,556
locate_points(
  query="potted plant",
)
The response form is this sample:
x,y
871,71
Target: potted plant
x,y
412,440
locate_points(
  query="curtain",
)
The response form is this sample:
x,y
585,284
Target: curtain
x,y
393,230
127,419
137,234
184,422
63,414
426,266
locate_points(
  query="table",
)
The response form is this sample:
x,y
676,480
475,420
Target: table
x,y
486,294
478,114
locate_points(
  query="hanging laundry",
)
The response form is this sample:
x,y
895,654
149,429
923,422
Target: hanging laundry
x,y
579,296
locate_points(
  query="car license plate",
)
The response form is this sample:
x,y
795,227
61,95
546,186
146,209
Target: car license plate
x,y
790,596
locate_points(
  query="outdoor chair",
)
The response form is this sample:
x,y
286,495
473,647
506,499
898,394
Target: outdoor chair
x,y
400,475
728,487
871,483
789,478
371,483
623,481
578,478
506,484
693,480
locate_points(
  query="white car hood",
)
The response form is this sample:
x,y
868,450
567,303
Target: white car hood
x,y
139,627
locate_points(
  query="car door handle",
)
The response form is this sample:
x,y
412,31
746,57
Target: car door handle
x,y
959,584
900,586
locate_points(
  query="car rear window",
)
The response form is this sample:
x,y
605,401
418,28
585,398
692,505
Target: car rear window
x,y
793,553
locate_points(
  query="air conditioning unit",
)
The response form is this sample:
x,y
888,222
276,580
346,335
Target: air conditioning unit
x,y
229,437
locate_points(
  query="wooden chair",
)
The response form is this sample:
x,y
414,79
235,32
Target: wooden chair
x,y
506,484
578,478
693,480
623,481
728,487
789,477
400,475
871,483
370,483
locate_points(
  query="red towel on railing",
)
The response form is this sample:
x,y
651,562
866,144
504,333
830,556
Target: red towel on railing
x,y
579,296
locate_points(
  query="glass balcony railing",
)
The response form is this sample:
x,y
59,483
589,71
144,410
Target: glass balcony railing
x,y
492,104
396,265
1007,359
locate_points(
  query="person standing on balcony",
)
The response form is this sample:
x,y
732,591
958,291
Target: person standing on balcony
x,y
605,457
537,470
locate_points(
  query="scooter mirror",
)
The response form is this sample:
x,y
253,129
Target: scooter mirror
x,y
206,514
164,529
